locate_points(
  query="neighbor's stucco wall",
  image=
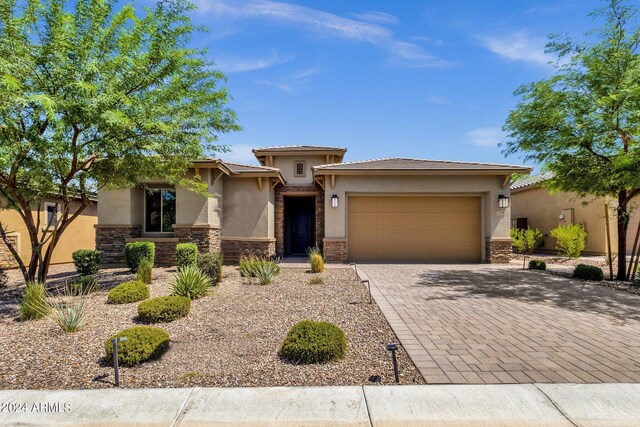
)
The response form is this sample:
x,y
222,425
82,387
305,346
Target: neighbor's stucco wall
x,y
542,210
495,220
247,210
286,166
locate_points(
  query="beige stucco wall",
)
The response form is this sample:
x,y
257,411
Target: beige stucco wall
x,y
286,166
495,220
80,234
542,210
247,210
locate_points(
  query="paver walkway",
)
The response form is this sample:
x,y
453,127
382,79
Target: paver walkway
x,y
500,324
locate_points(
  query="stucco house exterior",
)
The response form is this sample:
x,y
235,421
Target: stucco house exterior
x,y
534,206
79,235
390,209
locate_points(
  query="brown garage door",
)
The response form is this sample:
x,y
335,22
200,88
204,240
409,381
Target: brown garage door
x,y
437,229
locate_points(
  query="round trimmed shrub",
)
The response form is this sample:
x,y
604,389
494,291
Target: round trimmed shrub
x,y
83,285
143,343
588,272
314,342
536,264
128,292
164,309
135,252
87,261
210,263
186,254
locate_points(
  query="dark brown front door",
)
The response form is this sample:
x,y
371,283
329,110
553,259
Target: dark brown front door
x,y
299,223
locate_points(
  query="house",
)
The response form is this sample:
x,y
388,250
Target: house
x,y
534,206
390,209
79,235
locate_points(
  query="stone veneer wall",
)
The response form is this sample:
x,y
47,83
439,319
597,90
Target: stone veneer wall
x,y
6,258
335,249
110,239
499,251
205,236
282,191
233,249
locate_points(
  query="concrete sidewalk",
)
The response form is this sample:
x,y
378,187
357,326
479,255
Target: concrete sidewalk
x,y
434,405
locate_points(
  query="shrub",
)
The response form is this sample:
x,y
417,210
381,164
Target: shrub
x,y
164,309
211,264
87,261
143,343
128,292
316,280
34,302
145,271
535,264
570,239
314,342
526,241
69,312
135,252
588,272
248,265
83,285
266,271
4,279
186,254
315,260
190,282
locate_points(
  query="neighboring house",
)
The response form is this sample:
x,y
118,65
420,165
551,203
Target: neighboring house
x,y
79,235
534,206
303,196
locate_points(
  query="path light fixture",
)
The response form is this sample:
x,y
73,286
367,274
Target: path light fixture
x,y
503,201
116,368
392,348
334,201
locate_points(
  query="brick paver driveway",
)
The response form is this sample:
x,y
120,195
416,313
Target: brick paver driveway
x,y
501,324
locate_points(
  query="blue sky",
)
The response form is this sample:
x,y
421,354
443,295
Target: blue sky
x,y
382,78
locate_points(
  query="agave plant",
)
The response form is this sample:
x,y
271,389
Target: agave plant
x,y
190,282
248,265
69,312
266,271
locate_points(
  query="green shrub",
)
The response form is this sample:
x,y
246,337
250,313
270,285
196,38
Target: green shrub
x,y
4,279
314,257
143,343
266,271
570,239
526,241
186,254
145,271
87,261
164,309
248,265
83,285
588,272
128,292
536,264
314,342
211,264
34,302
135,252
190,282
316,280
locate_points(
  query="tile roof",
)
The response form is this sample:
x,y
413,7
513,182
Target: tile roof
x,y
396,163
299,148
531,180
240,168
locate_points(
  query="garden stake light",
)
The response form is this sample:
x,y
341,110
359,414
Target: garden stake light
x,y
392,348
115,342
369,287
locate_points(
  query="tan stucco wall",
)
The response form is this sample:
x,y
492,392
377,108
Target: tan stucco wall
x,y
79,235
495,220
286,166
542,210
247,211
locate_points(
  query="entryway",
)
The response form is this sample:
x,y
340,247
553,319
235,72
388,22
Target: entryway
x,y
299,224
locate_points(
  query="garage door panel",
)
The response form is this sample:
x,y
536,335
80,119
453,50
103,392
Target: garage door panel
x,y
439,229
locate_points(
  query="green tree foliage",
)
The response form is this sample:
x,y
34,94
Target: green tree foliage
x,y
526,241
570,239
583,123
94,96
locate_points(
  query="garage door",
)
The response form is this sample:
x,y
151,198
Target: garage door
x,y
436,229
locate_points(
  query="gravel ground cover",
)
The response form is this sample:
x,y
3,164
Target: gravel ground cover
x,y
230,338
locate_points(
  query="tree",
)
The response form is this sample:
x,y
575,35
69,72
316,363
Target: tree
x,y
91,96
526,241
583,123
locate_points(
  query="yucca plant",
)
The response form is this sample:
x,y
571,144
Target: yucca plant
x,y
34,302
145,271
248,265
190,282
69,312
266,271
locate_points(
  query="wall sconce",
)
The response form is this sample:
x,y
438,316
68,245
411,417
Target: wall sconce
x,y
334,201
561,217
503,201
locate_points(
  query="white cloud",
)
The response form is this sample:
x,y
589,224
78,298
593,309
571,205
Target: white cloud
x,y
330,25
240,153
488,137
519,46
377,17
292,82
234,64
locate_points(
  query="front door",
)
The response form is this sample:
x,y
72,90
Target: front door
x,y
300,219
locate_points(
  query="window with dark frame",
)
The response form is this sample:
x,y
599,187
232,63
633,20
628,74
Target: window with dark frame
x,y
299,169
51,210
160,210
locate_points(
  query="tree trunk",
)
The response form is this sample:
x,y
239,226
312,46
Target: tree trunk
x,y
623,224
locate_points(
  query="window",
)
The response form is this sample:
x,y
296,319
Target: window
x,y
51,212
519,223
160,210
299,168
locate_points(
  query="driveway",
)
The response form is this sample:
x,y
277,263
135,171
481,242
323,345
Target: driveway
x,y
501,324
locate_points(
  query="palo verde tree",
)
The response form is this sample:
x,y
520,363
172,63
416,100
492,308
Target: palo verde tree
x,y
93,95
583,123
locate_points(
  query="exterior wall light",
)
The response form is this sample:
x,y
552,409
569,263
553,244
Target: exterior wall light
x,y
334,201
503,201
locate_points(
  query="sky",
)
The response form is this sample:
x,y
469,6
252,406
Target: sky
x,y
421,79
